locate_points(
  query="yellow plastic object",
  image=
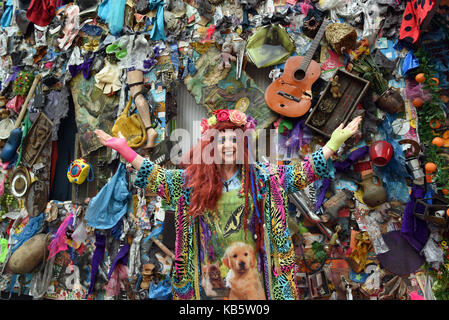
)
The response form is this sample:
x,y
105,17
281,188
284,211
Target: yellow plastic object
x,y
78,171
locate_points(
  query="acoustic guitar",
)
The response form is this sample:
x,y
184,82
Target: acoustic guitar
x,y
291,94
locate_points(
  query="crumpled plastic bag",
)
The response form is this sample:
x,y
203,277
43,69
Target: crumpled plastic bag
x,y
269,45
113,13
108,79
410,62
161,290
393,175
138,49
432,252
111,203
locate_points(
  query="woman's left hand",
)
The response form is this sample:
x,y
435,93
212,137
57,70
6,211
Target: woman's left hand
x,y
340,135
352,126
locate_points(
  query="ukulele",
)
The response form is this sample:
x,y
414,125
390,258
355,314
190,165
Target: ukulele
x,y
291,94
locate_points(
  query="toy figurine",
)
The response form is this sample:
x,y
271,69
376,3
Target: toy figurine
x,y
226,55
147,275
335,87
363,49
275,73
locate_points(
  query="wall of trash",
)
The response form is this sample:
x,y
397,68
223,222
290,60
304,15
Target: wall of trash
x,y
377,231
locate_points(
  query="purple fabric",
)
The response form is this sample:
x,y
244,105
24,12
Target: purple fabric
x,y
13,76
401,259
97,257
413,229
149,63
319,201
207,236
354,156
299,136
121,258
84,67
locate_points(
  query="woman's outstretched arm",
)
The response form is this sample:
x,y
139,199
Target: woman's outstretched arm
x,y
339,136
121,146
166,183
300,175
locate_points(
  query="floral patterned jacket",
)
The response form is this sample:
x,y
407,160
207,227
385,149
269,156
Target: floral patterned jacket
x,y
275,182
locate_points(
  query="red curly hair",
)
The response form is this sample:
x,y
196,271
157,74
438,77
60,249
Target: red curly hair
x,y
206,184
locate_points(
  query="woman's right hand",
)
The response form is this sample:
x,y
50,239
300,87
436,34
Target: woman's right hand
x,y
102,136
118,144
110,141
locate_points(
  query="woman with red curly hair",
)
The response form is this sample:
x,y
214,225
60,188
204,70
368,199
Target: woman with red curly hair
x,y
232,237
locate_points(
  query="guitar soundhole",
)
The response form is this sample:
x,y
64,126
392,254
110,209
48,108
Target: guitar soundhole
x,y
299,74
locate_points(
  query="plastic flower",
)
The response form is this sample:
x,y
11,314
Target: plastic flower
x,y
251,123
223,115
212,121
204,125
237,117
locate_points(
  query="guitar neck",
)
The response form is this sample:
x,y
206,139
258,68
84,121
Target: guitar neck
x,y
316,41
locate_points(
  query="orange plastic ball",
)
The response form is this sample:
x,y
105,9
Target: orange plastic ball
x,y
417,102
430,167
420,77
437,141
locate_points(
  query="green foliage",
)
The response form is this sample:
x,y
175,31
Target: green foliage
x,y
7,202
431,111
318,250
440,286
370,71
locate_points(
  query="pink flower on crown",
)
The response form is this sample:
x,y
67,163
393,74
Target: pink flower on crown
x,y
222,115
237,117
204,125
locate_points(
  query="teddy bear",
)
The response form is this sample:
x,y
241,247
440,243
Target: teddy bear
x,y
226,55
335,88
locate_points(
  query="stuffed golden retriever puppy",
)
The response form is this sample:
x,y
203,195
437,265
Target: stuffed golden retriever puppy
x,y
243,277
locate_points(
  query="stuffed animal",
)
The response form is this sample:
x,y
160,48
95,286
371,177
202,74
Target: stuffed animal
x,y
335,87
226,55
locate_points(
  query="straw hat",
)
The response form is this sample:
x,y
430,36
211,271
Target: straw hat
x,y
6,125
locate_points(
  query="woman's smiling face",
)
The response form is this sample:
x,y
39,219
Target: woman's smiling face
x,y
227,147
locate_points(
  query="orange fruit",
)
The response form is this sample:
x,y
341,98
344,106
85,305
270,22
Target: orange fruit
x,y
445,191
447,212
417,102
435,124
430,167
420,77
434,81
438,141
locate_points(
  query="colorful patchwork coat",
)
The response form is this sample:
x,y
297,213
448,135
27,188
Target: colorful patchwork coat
x,y
274,182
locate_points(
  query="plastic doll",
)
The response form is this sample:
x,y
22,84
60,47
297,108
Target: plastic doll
x,y
226,56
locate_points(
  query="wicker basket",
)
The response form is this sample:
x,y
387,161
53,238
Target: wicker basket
x,y
341,37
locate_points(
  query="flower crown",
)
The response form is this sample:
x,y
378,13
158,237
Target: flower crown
x,y
235,116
